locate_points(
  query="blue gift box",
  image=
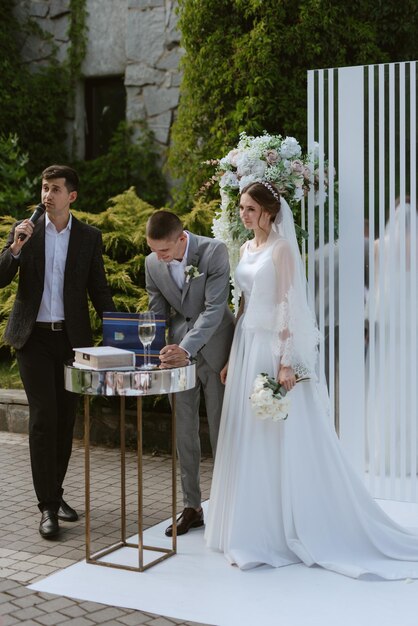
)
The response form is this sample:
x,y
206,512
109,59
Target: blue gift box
x,y
121,331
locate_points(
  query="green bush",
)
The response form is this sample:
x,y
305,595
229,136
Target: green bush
x,y
16,190
124,249
126,164
32,104
124,244
246,62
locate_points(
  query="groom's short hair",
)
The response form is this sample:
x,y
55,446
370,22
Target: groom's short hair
x,y
164,225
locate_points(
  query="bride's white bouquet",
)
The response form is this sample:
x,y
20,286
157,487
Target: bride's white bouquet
x,y
268,399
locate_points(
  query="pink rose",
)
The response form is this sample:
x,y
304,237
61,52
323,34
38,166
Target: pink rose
x,y
297,166
272,157
232,157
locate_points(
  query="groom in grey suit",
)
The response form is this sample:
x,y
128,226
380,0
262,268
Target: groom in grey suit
x,y
187,279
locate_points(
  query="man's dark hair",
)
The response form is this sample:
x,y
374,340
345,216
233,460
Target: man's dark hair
x,y
164,225
62,171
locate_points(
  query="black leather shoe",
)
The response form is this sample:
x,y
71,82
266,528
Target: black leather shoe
x,y
49,527
190,518
66,513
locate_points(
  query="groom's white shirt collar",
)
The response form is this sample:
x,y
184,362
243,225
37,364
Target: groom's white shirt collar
x,y
177,268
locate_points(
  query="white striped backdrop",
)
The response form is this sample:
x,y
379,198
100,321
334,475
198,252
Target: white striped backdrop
x,y
364,119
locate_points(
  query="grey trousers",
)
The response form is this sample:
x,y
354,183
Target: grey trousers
x,y
188,440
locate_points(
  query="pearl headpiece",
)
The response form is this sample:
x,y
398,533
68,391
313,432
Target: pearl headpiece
x,y
271,189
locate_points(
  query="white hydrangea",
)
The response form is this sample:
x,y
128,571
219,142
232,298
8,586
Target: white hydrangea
x,y
244,181
229,179
290,148
248,163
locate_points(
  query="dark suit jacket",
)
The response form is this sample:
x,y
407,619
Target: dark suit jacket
x,y
84,275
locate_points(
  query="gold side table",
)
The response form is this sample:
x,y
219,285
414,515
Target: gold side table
x,y
138,383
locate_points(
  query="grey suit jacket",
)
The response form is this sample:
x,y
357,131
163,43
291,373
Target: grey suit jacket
x,y
84,275
198,316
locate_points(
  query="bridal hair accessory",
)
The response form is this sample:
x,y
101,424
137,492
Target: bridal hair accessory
x,y
269,159
271,189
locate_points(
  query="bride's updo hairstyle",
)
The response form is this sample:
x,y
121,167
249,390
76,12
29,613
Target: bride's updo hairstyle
x,y
266,195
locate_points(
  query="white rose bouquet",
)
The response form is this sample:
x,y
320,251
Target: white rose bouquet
x,y
268,399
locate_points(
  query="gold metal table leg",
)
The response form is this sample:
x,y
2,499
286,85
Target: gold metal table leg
x,y
87,472
174,471
165,552
140,482
122,471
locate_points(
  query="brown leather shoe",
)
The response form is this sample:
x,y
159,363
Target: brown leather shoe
x,y
190,518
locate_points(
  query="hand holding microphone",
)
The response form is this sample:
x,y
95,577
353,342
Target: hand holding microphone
x,y
39,210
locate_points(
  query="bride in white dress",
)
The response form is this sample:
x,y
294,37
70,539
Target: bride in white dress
x,y
282,491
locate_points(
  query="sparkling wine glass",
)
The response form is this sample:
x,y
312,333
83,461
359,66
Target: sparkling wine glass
x,y
146,333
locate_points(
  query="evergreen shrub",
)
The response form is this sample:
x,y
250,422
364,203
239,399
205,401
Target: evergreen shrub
x,y
126,164
16,189
32,104
124,246
246,61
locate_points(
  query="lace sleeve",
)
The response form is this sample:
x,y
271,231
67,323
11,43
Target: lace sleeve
x,y
298,335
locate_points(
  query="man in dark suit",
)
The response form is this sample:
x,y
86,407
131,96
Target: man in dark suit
x,y
59,262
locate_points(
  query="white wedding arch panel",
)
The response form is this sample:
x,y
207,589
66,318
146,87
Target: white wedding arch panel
x,y
365,287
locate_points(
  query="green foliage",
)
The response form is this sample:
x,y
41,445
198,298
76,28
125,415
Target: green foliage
x,y
9,373
125,165
16,190
124,250
32,104
77,33
199,219
8,293
124,244
246,61
78,39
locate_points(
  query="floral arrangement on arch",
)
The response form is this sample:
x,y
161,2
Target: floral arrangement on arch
x,y
266,157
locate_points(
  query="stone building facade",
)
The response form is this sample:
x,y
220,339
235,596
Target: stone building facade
x,y
134,40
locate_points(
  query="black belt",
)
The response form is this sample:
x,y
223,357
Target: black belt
x,y
50,325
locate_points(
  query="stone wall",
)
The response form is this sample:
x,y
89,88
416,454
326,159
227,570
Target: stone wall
x,y
14,411
137,39
104,422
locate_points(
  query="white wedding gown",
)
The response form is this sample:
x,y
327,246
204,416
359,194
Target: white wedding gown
x,y
283,492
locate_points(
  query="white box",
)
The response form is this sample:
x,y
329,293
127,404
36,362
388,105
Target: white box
x,y
104,357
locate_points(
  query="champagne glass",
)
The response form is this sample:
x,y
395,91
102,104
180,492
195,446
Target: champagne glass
x,y
146,333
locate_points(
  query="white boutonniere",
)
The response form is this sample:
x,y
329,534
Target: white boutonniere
x,y
191,271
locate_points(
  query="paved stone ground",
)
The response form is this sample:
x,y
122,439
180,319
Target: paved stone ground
x,y
25,557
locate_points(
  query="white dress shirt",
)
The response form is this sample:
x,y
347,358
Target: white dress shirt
x,y
177,268
56,248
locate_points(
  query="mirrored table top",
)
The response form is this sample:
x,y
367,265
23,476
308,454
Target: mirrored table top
x,y
132,382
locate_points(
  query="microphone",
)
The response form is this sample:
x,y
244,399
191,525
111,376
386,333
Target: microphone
x,y
39,210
